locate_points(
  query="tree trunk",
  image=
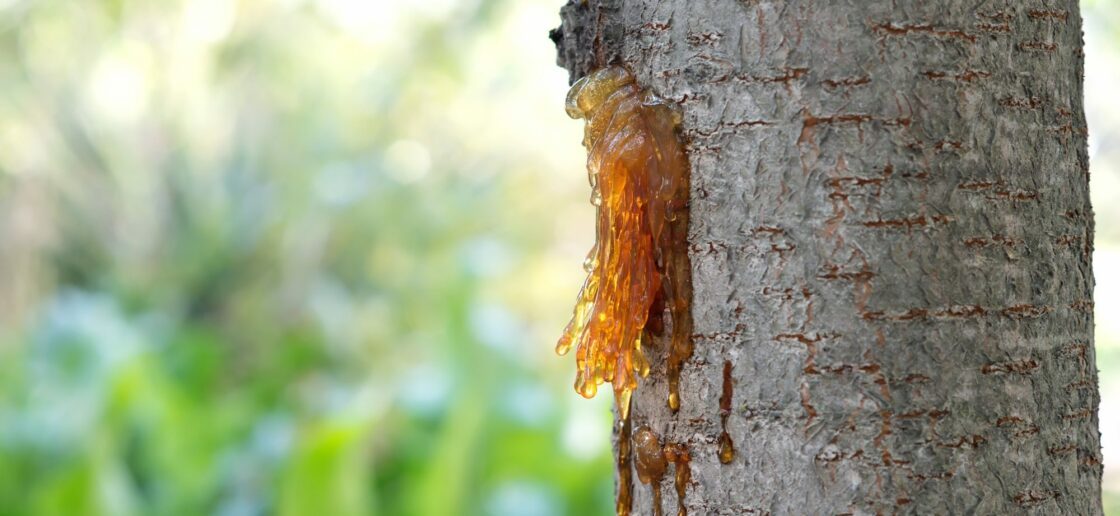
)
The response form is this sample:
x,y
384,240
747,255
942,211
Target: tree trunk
x,y
891,242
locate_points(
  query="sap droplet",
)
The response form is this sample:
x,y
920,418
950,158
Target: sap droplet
x,y
622,398
726,448
641,364
585,388
589,264
650,463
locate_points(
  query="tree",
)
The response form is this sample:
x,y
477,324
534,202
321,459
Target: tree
x,y
891,243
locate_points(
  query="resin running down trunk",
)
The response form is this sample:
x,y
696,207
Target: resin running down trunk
x,y
639,265
890,240
639,184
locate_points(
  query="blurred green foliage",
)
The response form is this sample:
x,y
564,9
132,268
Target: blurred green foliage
x,y
291,257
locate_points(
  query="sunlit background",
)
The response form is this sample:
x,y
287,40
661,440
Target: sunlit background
x,y
310,257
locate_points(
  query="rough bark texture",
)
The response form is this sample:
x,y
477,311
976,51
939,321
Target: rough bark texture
x,y
891,241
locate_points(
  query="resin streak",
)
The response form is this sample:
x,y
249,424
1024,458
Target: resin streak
x,y
639,265
651,463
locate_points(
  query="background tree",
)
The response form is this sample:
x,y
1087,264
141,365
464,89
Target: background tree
x,y
891,243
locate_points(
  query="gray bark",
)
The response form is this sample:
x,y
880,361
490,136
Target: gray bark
x,y
891,243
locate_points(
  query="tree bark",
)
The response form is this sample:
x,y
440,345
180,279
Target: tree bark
x,y
891,243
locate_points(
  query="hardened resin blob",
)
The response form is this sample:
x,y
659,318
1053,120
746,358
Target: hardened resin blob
x,y
639,264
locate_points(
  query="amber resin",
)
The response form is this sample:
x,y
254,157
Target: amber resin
x,y
625,499
726,445
651,463
679,456
639,264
